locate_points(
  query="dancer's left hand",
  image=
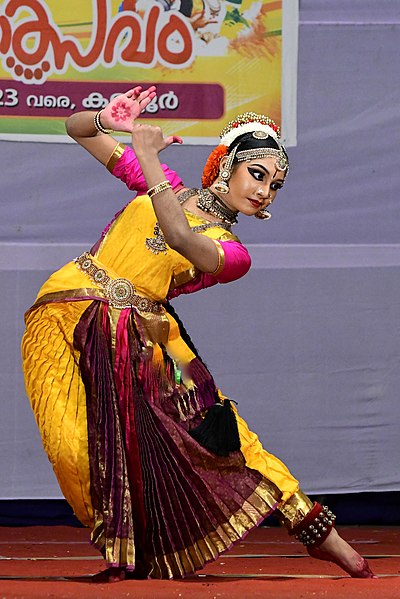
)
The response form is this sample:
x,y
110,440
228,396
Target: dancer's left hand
x,y
121,112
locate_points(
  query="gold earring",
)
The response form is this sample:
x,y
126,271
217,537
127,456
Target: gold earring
x,y
222,186
263,214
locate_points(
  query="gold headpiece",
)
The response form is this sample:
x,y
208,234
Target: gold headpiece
x,y
261,127
247,123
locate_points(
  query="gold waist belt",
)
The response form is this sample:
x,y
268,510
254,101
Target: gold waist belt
x,y
121,293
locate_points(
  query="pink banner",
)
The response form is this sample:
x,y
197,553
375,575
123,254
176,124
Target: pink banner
x,y
58,98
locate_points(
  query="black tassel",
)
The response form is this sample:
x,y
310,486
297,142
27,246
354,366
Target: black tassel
x,y
219,431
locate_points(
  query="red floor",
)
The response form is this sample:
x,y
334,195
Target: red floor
x,y
58,562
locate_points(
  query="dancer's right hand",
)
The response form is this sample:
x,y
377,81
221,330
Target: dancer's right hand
x,y
148,140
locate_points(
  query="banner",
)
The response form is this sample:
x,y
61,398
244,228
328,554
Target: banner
x,y
210,60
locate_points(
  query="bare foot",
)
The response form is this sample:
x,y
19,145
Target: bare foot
x,y
337,550
141,572
110,575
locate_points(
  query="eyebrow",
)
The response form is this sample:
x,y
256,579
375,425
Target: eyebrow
x,y
262,167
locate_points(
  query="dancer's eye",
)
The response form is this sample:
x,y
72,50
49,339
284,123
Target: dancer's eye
x,y
258,175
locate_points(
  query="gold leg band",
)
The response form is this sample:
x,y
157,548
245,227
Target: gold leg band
x,y
294,510
309,522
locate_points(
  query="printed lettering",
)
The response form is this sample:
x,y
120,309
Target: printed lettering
x,y
169,101
49,101
95,101
8,97
33,47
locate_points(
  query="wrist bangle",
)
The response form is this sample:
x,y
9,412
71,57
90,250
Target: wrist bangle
x,y
159,188
99,126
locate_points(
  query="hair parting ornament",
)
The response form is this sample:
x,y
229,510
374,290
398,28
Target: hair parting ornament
x,y
261,127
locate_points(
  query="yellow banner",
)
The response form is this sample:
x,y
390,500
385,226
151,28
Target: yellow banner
x,y
210,60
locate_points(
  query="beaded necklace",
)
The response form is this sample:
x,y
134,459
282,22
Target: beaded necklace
x,y
210,203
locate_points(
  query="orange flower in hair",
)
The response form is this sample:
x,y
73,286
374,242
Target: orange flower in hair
x,y
211,169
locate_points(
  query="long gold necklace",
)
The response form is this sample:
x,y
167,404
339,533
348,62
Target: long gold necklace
x,y
209,203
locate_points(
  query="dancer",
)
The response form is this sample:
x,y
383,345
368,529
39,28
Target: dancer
x,y
146,449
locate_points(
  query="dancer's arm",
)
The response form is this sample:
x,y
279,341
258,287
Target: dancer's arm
x,y
118,115
203,252
119,159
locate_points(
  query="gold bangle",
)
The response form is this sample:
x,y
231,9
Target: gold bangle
x,y
98,125
159,188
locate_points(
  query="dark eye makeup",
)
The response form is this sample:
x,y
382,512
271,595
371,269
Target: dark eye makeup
x,y
259,176
276,185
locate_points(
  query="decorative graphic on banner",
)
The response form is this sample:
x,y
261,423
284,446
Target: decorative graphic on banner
x,y
209,59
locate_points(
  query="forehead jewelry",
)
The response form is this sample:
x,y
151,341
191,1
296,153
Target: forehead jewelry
x,y
282,163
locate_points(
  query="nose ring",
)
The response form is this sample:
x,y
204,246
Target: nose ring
x,y
259,192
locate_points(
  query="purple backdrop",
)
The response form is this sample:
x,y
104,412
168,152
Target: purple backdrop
x,y
308,342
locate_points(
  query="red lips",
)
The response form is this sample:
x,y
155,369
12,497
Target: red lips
x,y
254,203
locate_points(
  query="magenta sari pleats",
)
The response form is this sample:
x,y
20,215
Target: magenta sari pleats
x,y
110,489
159,496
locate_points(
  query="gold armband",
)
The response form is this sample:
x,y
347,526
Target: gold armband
x,y
221,258
115,156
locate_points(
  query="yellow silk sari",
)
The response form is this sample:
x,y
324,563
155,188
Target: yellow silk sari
x,y
138,357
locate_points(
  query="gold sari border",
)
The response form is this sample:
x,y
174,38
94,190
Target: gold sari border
x,y
69,295
294,510
261,503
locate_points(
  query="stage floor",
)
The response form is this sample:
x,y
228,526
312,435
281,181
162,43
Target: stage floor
x,y
37,562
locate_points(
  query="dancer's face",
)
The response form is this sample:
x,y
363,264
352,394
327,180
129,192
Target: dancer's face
x,y
254,185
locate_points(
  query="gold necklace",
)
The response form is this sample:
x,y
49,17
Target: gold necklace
x,y
210,203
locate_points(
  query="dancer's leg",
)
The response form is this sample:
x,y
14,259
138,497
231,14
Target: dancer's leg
x,y
301,518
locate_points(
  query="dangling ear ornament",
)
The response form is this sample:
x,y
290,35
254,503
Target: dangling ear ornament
x,y
263,214
221,186
225,173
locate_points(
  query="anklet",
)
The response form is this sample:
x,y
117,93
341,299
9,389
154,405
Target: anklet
x,y
315,527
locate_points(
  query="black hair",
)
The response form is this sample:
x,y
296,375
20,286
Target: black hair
x,y
183,332
246,141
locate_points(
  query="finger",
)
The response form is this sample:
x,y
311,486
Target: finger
x,y
137,91
134,92
145,102
151,92
173,139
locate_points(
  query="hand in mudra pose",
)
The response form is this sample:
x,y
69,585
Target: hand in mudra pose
x,y
148,138
122,111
